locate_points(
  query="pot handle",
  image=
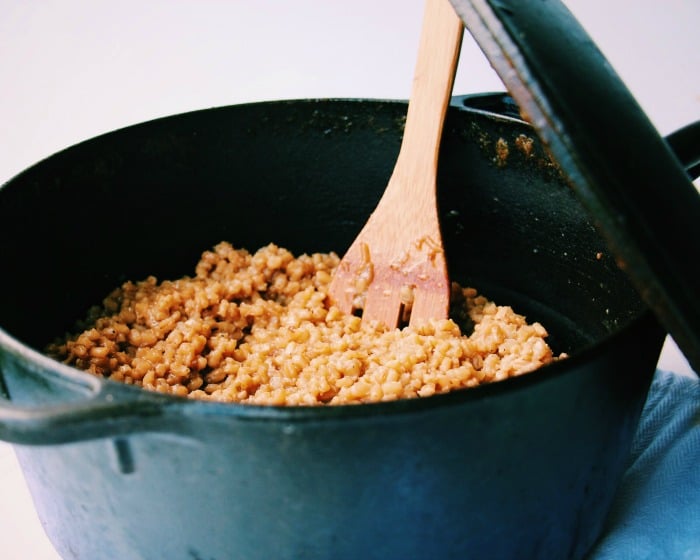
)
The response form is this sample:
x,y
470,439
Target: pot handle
x,y
105,412
498,102
684,142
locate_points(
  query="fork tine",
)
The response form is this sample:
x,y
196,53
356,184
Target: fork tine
x,y
340,290
427,301
383,304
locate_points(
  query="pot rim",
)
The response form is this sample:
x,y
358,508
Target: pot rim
x,y
106,389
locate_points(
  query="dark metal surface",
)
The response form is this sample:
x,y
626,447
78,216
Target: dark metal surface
x,y
524,468
685,143
616,161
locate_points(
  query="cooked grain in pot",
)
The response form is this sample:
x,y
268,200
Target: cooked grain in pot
x,y
258,328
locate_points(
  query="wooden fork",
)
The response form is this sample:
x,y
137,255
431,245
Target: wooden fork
x,y
397,262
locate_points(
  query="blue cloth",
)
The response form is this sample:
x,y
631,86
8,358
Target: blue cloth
x,y
656,513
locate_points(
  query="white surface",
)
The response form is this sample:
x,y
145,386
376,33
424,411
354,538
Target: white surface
x,y
72,69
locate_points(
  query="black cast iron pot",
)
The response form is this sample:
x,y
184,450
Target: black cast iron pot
x,y
524,468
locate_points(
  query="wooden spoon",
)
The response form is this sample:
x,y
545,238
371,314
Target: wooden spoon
x,y
397,262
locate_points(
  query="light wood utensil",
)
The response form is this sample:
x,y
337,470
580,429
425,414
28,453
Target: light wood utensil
x,y
397,261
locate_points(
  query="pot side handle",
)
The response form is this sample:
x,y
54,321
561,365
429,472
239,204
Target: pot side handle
x,y
497,102
685,143
102,413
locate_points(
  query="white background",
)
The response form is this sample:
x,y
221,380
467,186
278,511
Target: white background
x,y
72,69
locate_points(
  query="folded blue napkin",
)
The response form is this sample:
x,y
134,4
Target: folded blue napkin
x,y
656,513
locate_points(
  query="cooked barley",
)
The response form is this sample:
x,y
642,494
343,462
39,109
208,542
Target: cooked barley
x,y
258,328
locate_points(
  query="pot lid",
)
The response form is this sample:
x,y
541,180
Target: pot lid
x,y
622,170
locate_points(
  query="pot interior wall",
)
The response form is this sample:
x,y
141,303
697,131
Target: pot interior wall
x,y
305,175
